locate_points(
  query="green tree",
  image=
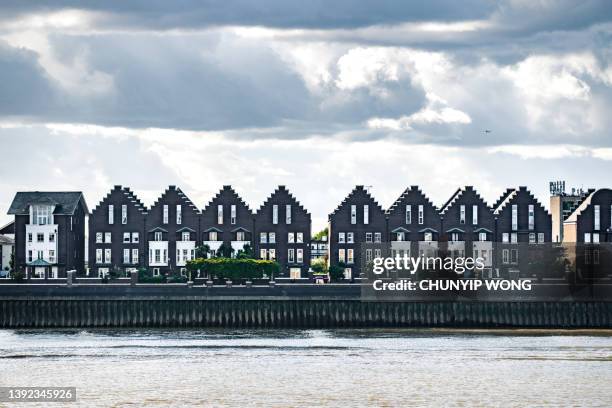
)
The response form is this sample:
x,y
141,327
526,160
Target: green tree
x,y
225,251
319,235
245,253
202,251
336,272
319,267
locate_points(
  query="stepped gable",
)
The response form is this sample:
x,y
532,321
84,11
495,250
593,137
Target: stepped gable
x,y
282,189
457,195
227,189
129,194
180,193
357,189
408,191
509,197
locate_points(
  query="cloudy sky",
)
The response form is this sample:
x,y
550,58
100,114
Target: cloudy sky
x,y
318,96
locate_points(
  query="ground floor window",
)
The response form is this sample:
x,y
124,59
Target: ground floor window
x,y
295,273
184,272
155,271
39,273
348,273
102,272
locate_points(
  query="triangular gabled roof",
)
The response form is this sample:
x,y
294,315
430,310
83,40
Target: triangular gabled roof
x,y
226,189
181,194
65,202
407,192
282,190
501,198
129,194
356,190
8,228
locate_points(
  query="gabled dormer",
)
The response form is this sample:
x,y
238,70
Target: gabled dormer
x,y
414,212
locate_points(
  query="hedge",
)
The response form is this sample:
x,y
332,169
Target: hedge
x,y
234,269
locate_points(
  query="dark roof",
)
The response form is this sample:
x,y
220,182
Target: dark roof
x,y
65,202
8,228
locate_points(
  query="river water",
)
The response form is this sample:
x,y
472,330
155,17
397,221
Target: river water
x,y
281,368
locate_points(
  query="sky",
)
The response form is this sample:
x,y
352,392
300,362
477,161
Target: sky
x,y
318,96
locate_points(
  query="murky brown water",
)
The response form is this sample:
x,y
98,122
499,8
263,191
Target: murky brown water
x,y
275,368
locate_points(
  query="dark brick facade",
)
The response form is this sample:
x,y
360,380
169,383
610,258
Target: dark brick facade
x,y
299,224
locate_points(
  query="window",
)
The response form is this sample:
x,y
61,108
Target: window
x,y
233,214
291,255
474,215
275,214
299,237
186,236
531,213
421,214
135,255
52,237
513,238
98,255
272,238
368,237
272,253
124,214
107,255
353,214
213,236
587,237
514,256
377,253
596,238
157,256
263,254
126,237
428,236
263,237
155,271
455,236
240,236
408,214
366,214
350,237
341,256
505,256
42,215
158,236
540,237
51,255
587,256
291,238
165,214
505,238
368,255
288,213
40,237
39,254
111,214
462,214
102,272
514,217
29,237
300,255
350,256
126,256
400,236
596,217
482,236
532,237
107,237
179,214
596,256
219,214
135,237
341,237
295,273
377,237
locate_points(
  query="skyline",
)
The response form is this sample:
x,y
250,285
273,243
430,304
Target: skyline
x,y
318,97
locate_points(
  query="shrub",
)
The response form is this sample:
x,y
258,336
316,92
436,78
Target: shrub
x,y
336,272
18,276
234,269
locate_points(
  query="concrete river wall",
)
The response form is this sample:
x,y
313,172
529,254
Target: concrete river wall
x,y
55,306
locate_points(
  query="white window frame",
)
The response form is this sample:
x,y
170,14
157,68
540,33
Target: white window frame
x,y
272,238
290,238
127,238
299,238
350,237
531,216
213,236
290,255
288,214
166,214
185,236
263,254
369,237
366,214
135,237
341,255
421,214
275,214
408,214
299,255
135,256
179,214
126,256
587,237
353,214
428,237
111,214
482,236
263,238
505,238
124,214
108,238
350,256
158,236
462,214
514,217
377,237
108,254
474,214
341,237
596,217
233,214
98,255
220,214
272,254
541,238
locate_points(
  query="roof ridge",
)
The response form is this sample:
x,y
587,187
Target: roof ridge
x,y
409,190
357,188
291,196
230,189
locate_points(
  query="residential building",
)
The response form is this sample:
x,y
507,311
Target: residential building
x,y
7,248
227,224
173,228
319,248
562,205
414,225
282,231
521,223
117,234
587,236
469,228
49,233
358,220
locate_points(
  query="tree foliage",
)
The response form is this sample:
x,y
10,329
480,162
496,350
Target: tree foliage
x,y
234,268
323,233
